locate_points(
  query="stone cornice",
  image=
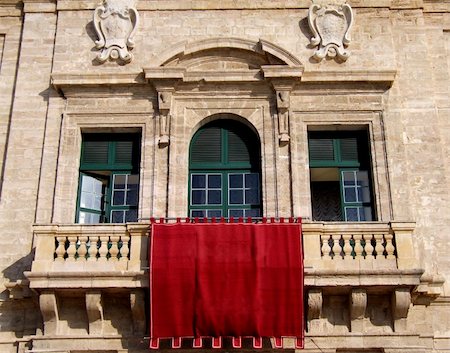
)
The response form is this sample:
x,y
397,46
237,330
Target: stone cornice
x,y
10,8
375,76
187,5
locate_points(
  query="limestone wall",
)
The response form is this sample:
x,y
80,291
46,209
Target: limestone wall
x,y
40,124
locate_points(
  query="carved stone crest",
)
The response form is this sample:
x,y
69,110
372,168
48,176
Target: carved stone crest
x,y
330,22
115,23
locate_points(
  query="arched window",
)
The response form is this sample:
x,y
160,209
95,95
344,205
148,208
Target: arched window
x,y
225,171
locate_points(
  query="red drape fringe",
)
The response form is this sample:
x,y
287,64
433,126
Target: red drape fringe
x,y
212,281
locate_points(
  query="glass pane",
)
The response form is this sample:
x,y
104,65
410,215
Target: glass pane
x,y
198,197
198,213
235,181
365,213
131,216
87,183
252,213
236,197
214,197
120,181
214,213
133,179
88,218
252,197
117,216
351,214
215,181
132,197
198,181
236,213
252,181
86,200
349,178
118,198
96,202
349,194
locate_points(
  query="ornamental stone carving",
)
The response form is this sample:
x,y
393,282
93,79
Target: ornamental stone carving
x,y
330,22
115,23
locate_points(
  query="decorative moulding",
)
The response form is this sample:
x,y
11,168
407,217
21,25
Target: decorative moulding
x,y
330,22
115,23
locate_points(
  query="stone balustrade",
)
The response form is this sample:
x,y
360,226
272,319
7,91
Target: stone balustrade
x,y
106,252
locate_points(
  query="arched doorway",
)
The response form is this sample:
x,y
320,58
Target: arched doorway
x,y
225,171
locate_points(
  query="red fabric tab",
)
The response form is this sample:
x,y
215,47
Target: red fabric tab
x,y
226,279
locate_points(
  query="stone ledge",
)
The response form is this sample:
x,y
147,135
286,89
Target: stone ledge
x,y
371,76
187,5
61,80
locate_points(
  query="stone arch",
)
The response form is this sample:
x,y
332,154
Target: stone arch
x,y
274,54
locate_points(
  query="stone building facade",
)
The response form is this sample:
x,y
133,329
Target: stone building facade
x,y
295,73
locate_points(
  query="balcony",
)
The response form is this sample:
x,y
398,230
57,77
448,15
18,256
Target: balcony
x,y
92,280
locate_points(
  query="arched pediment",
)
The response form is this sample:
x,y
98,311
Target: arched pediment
x,y
224,59
253,53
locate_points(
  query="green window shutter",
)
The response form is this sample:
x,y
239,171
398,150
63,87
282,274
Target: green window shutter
x,y
124,152
349,148
95,152
239,147
207,148
321,149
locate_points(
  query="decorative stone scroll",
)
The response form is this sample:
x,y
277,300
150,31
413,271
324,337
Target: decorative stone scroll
x,y
283,100
115,23
164,103
330,21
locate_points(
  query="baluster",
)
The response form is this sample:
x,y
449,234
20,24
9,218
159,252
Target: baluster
x,y
325,246
379,247
103,248
60,250
336,249
390,248
368,246
82,250
92,246
347,247
114,249
357,238
125,249
72,249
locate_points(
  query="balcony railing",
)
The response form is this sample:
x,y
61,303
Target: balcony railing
x,y
86,255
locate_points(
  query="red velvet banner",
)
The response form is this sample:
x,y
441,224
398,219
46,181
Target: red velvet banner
x,y
226,280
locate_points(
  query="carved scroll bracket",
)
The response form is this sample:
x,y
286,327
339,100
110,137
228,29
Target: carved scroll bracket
x,y
283,90
401,301
315,304
330,22
115,23
164,104
49,310
94,309
358,305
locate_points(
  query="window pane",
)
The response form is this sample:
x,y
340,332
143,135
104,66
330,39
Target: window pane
x,y
198,213
87,183
88,218
198,197
252,213
131,216
349,194
252,180
214,197
351,214
117,216
132,197
198,181
118,198
236,213
349,178
91,193
365,213
252,197
236,197
214,213
215,181
235,181
120,181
